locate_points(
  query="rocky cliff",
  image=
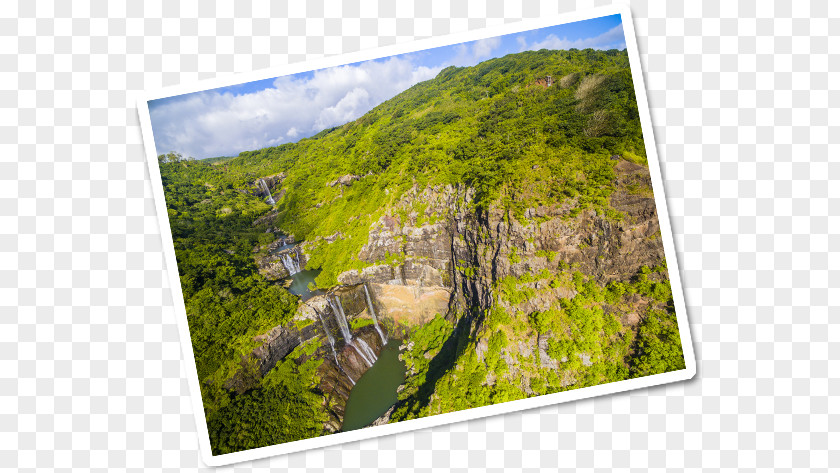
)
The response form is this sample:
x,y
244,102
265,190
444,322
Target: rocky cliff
x,y
453,263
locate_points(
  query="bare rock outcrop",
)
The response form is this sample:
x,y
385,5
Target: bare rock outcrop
x,y
345,180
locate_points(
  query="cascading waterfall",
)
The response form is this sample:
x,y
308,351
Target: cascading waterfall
x,y
332,345
362,348
373,316
270,198
335,302
338,311
292,265
369,354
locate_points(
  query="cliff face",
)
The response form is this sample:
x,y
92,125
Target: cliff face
x,y
493,245
454,263
411,291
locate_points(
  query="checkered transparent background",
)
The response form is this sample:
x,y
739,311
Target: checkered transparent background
x,y
746,111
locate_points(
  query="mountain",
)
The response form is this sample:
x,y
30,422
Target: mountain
x,y
497,220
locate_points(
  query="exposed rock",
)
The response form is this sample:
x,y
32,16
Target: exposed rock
x,y
544,82
384,418
630,319
546,361
345,180
525,348
584,358
412,306
408,294
343,359
280,341
273,181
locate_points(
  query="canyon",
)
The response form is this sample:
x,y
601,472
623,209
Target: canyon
x,y
452,267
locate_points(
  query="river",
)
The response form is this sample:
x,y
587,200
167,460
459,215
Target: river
x,y
300,284
376,391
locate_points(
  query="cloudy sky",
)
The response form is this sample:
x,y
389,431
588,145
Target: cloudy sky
x,y
254,115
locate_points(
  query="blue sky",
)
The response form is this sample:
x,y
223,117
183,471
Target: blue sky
x,y
254,115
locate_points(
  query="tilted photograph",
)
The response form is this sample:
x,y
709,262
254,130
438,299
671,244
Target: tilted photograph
x,y
418,235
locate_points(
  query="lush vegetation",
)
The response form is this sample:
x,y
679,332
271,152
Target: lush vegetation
x,y
584,337
229,303
284,408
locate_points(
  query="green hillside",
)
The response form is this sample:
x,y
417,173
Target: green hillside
x,y
485,126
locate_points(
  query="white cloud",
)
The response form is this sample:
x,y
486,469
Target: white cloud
x,y
345,110
611,39
209,124
468,54
484,47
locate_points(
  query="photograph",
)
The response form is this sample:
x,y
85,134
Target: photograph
x,y
405,236
417,235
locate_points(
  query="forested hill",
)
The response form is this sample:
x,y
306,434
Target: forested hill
x,y
487,126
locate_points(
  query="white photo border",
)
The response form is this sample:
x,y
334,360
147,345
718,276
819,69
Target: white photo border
x,y
459,416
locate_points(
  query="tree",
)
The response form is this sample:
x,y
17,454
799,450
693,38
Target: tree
x,y
171,157
540,321
659,349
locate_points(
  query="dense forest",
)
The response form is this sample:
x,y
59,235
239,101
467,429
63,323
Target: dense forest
x,y
510,137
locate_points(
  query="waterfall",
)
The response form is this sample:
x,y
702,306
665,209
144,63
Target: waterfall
x,y
342,325
332,345
342,320
373,316
366,352
291,265
270,198
362,348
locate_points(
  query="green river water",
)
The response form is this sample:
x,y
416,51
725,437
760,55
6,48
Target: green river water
x,y
376,391
300,283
